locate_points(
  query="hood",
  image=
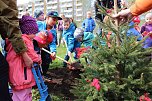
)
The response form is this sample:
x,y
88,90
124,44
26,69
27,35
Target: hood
x,y
71,28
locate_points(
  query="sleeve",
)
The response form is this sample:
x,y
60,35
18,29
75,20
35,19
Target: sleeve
x,y
9,25
140,7
70,43
142,29
88,35
83,24
93,24
52,45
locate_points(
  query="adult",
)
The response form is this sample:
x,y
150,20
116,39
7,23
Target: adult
x,y
9,27
98,16
139,7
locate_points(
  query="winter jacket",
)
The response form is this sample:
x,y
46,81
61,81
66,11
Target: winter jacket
x,y
148,42
52,45
88,25
9,25
60,25
146,27
20,76
133,32
69,38
87,39
140,7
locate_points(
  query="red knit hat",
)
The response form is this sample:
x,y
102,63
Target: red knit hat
x,y
44,38
136,19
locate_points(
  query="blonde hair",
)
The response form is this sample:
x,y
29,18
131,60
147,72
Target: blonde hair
x,y
89,12
149,15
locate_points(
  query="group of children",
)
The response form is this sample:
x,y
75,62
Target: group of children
x,y
40,33
145,30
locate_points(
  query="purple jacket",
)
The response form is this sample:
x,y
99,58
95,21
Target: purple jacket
x,y
60,25
146,27
148,42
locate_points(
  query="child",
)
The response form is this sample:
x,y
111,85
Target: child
x,y
68,31
72,22
145,29
20,77
133,32
85,38
136,21
88,24
60,29
39,15
51,19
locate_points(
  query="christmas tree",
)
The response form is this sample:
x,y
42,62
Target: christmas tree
x,y
119,72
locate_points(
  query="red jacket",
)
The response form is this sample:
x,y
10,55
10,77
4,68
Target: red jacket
x,y
20,76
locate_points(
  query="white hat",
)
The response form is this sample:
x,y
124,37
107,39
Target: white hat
x,y
78,33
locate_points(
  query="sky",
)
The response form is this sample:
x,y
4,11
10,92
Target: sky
x,y
22,1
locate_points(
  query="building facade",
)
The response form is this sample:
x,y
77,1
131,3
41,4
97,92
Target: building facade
x,y
70,8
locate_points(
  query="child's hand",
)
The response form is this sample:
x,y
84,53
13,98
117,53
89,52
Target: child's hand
x,y
53,56
69,53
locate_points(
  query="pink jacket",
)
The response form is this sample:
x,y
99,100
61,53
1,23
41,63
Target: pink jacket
x,y
20,76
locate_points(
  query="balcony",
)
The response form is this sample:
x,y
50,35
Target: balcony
x,y
78,10
78,15
39,4
69,16
20,8
68,10
52,2
79,4
66,5
64,1
52,7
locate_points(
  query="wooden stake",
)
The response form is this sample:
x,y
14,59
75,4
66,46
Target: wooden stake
x,y
116,22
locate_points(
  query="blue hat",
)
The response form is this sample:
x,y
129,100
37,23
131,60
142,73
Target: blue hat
x,y
54,14
37,13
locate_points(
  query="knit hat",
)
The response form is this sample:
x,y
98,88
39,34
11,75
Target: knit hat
x,y
136,19
37,13
28,25
78,33
44,38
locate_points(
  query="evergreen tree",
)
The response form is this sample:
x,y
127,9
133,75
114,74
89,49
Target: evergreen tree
x,y
116,73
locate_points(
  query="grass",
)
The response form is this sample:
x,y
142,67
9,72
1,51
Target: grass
x,y
61,51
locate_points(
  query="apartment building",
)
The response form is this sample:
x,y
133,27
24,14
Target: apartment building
x,y
79,10
70,8
30,8
53,5
67,7
21,9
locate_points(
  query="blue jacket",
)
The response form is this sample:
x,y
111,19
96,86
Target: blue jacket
x,y
42,26
87,39
69,37
133,32
88,25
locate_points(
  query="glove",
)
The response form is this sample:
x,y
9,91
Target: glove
x,y
53,56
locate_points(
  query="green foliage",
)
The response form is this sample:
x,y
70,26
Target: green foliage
x,y
124,72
